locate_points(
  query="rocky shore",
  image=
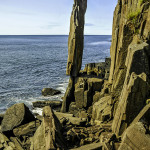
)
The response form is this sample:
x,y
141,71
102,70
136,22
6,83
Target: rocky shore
x,y
106,106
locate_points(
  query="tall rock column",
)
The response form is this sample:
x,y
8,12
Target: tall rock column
x,y
76,38
75,49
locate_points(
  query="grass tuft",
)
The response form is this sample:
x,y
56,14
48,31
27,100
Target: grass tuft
x,y
133,16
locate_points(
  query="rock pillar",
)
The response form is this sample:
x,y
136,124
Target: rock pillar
x,y
75,49
76,38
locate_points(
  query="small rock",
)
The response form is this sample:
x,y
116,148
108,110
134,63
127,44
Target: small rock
x,y
102,110
53,104
50,92
83,114
77,121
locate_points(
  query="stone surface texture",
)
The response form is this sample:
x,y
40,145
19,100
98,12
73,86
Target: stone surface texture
x,y
135,137
130,67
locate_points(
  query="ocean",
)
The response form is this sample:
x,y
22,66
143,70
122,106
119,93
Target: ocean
x,y
30,63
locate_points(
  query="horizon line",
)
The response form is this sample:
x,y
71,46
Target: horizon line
x,y
50,34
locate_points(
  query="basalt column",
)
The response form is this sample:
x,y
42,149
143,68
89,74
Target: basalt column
x,y
75,49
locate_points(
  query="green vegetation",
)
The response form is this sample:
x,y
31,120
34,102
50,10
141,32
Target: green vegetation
x,y
133,16
134,19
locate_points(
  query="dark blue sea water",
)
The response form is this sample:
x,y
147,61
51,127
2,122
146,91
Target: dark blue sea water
x,y
30,63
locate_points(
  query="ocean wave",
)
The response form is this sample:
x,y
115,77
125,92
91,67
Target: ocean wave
x,y
107,51
100,43
63,86
37,111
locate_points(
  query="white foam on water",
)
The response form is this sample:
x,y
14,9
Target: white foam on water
x,y
63,86
106,51
38,111
100,43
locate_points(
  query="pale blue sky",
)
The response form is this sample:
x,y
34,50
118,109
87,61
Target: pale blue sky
x,y
52,17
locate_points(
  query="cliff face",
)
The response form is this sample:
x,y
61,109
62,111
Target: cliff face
x,y
130,67
131,21
122,100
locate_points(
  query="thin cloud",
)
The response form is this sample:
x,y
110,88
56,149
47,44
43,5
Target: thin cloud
x,y
51,25
89,24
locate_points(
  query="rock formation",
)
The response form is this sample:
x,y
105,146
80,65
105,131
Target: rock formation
x,y
129,73
123,93
48,135
76,38
75,48
16,115
104,110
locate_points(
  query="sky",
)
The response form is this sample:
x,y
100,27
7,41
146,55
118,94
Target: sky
x,y
52,17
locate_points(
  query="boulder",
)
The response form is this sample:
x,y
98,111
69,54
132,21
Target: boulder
x,y
102,110
85,87
77,121
70,119
15,116
48,135
63,115
53,104
50,92
76,38
135,137
27,129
